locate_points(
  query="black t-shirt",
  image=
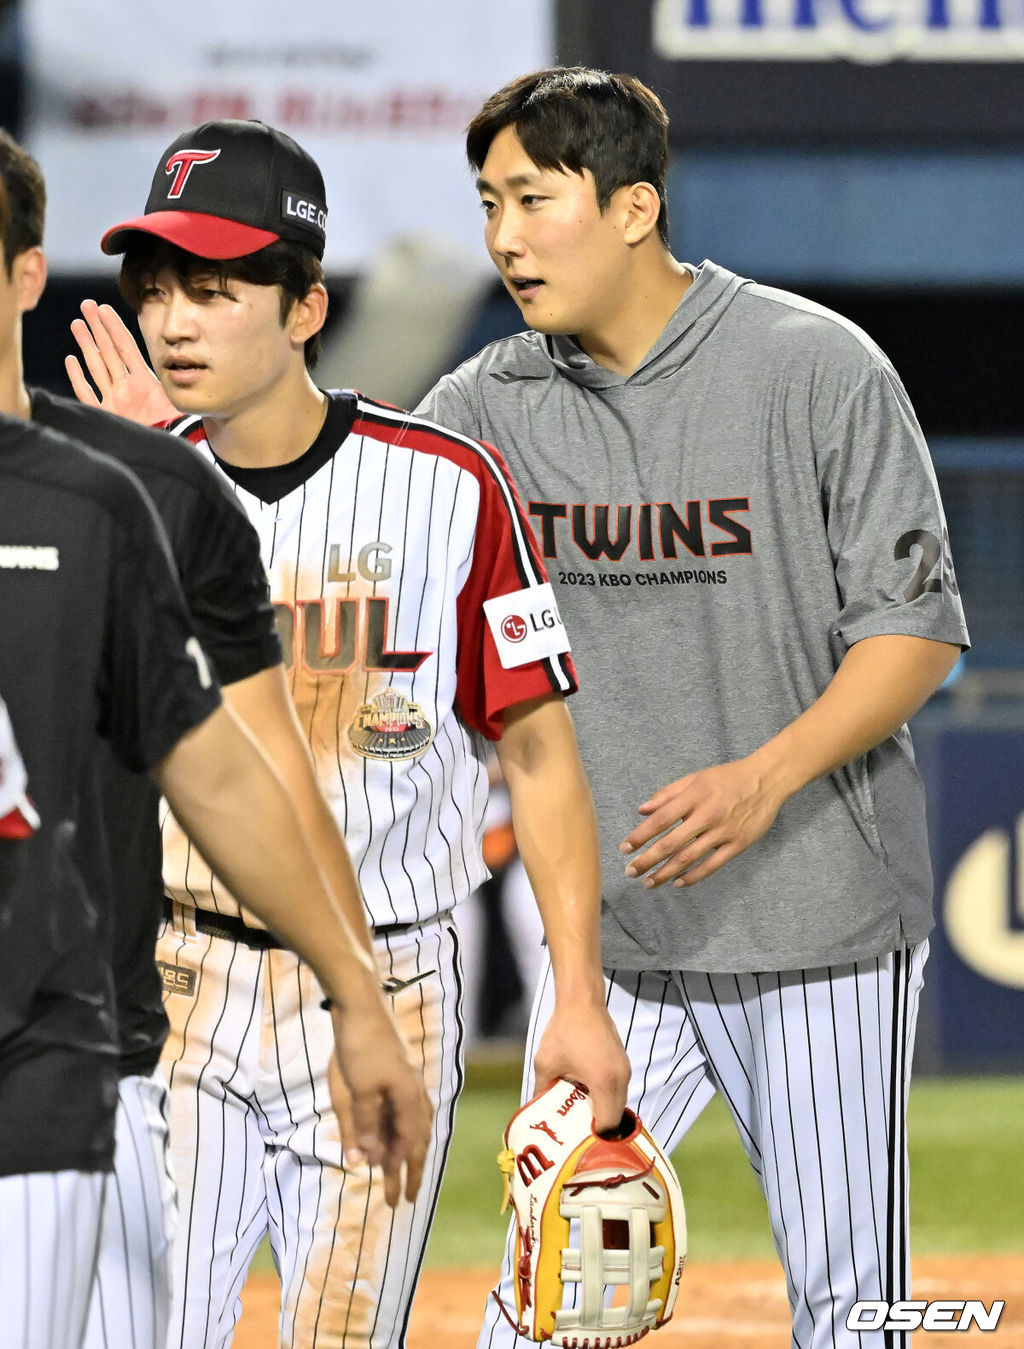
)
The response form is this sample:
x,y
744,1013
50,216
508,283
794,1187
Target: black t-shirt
x,y
217,555
95,639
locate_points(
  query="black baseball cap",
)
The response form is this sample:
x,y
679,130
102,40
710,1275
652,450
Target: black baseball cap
x,y
229,188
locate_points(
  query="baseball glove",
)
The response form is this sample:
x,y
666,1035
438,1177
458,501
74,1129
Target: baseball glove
x,y
594,1213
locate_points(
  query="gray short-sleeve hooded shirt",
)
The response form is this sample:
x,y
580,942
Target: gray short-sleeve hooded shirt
x,y
719,528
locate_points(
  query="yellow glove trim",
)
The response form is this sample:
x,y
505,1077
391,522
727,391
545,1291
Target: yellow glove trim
x,y
506,1161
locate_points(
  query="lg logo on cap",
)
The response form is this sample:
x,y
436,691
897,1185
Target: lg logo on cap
x,y
514,628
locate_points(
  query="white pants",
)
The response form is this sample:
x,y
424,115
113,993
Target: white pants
x,y
256,1146
814,1066
131,1297
49,1240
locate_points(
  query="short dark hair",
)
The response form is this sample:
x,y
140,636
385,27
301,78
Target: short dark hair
x,y
25,206
575,118
292,267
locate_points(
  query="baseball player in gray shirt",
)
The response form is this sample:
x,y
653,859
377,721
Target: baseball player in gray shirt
x,y
737,510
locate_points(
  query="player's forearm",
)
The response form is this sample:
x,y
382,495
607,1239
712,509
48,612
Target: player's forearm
x,y
264,704
233,804
880,684
556,833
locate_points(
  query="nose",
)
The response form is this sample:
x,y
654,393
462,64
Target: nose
x,y
505,240
178,316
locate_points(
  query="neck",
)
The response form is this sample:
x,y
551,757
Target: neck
x,y
278,429
637,318
14,399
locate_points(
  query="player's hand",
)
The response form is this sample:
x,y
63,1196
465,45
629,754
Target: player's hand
x,y
123,381
383,1108
580,1042
694,826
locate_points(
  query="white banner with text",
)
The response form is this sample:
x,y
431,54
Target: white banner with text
x,y
378,93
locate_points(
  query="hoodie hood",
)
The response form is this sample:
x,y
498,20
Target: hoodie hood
x,y
701,308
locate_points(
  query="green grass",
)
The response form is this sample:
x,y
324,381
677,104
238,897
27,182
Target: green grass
x,y
967,1164
468,1229
966,1167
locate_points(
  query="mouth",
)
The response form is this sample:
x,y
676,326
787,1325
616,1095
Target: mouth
x,y
182,369
525,287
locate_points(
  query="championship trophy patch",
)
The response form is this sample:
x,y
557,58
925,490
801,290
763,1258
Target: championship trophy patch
x,y
390,727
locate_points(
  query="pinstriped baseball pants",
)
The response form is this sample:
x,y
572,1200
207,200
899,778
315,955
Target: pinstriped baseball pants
x,y
49,1241
256,1149
131,1296
814,1066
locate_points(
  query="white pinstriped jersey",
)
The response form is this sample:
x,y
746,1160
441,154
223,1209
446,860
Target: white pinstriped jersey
x,y
382,544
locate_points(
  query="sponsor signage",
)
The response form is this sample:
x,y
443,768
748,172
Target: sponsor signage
x,y
883,71
379,94
974,979
825,30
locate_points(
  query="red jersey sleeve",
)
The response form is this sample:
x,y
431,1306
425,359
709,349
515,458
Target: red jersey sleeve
x,y
506,563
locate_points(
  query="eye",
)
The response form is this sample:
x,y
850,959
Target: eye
x,y
531,199
210,294
486,206
204,288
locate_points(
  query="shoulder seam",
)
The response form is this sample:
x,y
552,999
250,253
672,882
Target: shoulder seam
x,y
801,305
385,415
490,466
525,335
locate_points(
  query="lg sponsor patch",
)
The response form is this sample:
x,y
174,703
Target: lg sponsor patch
x,y
526,626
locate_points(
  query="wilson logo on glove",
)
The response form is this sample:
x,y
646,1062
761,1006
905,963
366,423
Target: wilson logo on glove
x,y
593,1215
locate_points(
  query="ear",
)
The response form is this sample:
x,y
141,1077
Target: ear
x,y
641,209
308,315
28,277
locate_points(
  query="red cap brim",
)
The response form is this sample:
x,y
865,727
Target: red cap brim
x,y
208,236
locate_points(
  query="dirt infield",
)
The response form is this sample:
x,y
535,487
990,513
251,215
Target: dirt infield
x,y
733,1306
